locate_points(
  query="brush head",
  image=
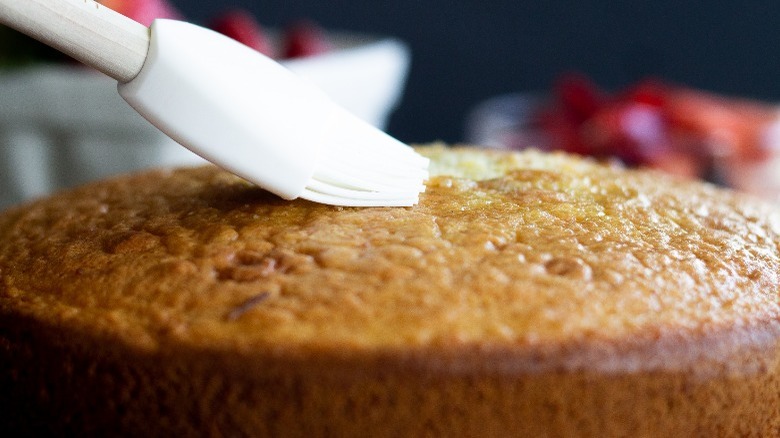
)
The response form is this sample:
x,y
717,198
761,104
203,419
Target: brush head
x,y
251,116
359,165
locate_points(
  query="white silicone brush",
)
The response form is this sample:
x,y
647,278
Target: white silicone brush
x,y
231,105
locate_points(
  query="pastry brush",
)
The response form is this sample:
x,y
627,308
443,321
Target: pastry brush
x,y
231,105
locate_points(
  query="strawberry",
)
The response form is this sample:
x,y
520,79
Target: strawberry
x,y
142,11
244,28
635,132
683,165
563,131
305,38
578,96
675,129
727,127
648,92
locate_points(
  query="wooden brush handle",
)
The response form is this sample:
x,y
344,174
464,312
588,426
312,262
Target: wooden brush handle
x,y
83,29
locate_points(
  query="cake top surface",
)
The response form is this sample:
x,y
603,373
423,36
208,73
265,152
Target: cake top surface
x,y
521,255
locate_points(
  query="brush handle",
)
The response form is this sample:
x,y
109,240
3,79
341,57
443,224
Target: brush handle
x,y
83,29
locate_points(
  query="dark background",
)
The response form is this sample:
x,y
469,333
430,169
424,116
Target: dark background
x,y
465,51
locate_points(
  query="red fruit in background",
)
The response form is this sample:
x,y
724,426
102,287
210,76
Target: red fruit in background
x,y
244,28
676,129
142,11
563,133
679,164
635,132
305,38
648,92
578,96
726,127
575,99
631,126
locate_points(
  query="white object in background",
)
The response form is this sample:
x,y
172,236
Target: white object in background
x,y
507,122
311,147
367,79
65,125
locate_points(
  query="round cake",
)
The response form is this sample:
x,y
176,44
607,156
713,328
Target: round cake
x,y
527,294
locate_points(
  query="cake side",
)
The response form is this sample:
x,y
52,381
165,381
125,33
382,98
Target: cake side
x,y
69,385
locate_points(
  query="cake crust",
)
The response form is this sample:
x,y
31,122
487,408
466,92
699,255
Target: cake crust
x,y
543,286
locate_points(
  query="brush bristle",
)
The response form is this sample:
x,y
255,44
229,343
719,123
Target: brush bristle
x,y
359,165
382,172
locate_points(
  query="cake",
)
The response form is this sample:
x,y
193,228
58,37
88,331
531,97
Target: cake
x,y
527,294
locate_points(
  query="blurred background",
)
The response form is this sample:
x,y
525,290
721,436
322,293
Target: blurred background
x,y
465,51
688,87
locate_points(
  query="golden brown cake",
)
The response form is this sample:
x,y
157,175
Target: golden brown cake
x,y
527,294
